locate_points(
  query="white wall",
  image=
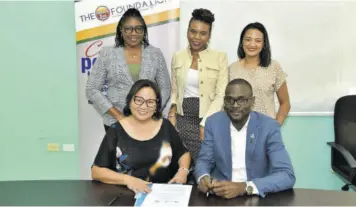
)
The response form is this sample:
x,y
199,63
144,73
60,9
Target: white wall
x,y
314,41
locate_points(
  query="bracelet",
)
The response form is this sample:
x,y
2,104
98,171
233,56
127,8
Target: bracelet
x,y
185,169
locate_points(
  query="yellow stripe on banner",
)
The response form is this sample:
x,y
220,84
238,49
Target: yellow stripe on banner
x,y
106,30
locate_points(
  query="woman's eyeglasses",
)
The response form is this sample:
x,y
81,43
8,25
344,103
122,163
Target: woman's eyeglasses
x,y
151,103
129,30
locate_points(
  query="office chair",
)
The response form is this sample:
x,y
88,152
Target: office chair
x,y
343,150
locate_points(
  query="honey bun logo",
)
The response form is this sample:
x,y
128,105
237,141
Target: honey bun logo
x,y
103,13
90,56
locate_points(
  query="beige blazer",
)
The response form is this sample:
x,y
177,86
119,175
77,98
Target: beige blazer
x,y
213,79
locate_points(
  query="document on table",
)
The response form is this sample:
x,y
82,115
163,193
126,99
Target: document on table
x,y
165,195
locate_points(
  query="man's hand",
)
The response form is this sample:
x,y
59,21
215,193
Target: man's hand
x,y
228,189
205,184
202,132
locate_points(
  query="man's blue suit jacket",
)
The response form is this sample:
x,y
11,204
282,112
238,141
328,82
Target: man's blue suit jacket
x,y
267,161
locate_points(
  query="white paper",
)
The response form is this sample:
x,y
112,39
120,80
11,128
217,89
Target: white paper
x,y
168,195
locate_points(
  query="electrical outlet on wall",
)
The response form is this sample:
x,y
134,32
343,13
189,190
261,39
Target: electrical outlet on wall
x,y
68,147
53,147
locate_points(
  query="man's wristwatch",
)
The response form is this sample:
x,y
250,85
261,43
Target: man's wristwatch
x,y
249,189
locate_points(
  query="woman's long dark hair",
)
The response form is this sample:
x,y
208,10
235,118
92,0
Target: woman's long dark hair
x,y
132,12
265,54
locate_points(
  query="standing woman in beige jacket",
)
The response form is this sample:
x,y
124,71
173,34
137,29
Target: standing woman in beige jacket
x,y
199,76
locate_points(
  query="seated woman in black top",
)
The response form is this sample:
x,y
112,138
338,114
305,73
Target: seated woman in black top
x,y
142,147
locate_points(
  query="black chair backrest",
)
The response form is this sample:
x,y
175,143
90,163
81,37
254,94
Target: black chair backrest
x,y
345,123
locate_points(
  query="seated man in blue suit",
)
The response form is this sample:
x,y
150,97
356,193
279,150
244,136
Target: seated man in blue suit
x,y
243,151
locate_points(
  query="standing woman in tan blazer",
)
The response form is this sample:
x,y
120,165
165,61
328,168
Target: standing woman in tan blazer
x,y
199,76
264,74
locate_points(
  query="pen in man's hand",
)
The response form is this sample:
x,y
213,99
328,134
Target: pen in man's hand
x,y
113,200
210,181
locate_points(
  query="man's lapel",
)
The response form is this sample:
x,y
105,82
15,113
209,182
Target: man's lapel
x,y
227,149
252,135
